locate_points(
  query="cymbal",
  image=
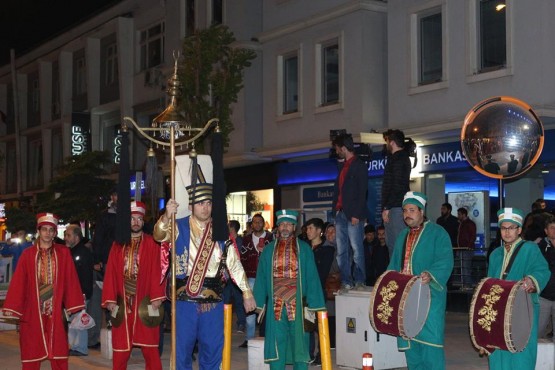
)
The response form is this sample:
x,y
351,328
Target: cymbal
x,y
146,319
116,321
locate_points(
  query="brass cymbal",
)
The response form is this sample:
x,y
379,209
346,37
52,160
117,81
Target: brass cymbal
x,y
116,321
150,321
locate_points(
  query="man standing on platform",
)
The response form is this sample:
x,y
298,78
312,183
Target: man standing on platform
x,y
200,263
466,240
44,284
286,281
396,179
253,245
518,260
349,207
133,275
424,249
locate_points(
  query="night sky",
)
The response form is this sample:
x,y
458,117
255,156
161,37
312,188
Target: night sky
x,y
25,24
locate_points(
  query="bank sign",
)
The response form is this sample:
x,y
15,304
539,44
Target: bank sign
x,y
442,157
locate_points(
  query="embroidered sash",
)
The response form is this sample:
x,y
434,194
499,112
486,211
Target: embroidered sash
x,y
198,272
46,269
285,272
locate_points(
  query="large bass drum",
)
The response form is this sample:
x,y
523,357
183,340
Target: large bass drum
x,y
399,304
501,315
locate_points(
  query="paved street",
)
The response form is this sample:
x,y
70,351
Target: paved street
x,y
459,351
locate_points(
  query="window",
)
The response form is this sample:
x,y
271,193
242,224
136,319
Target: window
x,y
111,65
80,82
57,152
34,169
492,35
189,18
35,96
152,46
217,12
430,49
290,84
11,160
329,72
56,109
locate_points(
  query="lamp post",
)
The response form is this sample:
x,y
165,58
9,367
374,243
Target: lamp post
x,y
168,130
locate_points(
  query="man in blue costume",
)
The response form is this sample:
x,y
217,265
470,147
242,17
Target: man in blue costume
x,y
424,249
200,264
287,277
528,265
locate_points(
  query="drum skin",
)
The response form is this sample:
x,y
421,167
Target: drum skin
x,y
501,315
399,304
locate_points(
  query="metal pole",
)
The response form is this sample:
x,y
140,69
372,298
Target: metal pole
x,y
172,236
501,194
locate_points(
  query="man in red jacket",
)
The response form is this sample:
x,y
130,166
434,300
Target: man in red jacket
x,y
133,273
44,283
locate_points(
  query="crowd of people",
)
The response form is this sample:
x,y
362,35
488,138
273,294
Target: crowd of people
x,y
274,278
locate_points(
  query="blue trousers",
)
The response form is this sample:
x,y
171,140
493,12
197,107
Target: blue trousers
x,y
349,245
194,322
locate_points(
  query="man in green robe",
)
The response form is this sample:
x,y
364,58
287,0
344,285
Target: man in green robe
x,y
287,277
530,266
424,249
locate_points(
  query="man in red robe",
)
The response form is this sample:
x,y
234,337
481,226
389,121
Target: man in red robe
x,y
133,273
44,283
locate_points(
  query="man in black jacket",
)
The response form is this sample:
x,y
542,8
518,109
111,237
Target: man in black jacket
x,y
395,185
83,260
349,206
449,222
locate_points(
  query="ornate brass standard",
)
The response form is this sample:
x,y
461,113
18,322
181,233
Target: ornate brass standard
x,y
168,130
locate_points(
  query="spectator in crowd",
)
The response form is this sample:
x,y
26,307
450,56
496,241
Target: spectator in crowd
x,y
528,266
47,269
15,246
369,244
349,207
253,245
323,257
534,222
232,294
104,236
449,222
133,274
547,297
84,262
379,260
395,185
466,239
282,289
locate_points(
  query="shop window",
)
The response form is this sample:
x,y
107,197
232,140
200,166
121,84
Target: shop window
x,y
152,46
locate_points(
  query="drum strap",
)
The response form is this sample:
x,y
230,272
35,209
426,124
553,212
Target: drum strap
x,y
513,256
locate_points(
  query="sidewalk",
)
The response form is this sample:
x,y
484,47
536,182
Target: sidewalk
x,y
460,354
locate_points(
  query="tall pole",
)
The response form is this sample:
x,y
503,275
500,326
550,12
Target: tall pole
x,y
172,235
